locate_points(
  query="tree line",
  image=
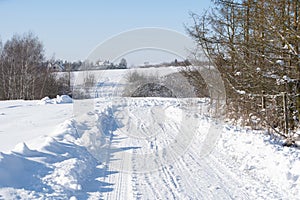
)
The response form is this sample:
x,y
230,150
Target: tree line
x,y
23,70
255,46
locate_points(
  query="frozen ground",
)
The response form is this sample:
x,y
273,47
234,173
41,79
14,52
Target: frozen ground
x,y
141,148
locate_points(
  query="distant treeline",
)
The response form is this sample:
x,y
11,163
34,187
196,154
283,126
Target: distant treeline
x,y
24,71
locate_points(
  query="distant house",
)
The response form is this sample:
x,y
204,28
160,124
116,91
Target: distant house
x,y
56,66
103,64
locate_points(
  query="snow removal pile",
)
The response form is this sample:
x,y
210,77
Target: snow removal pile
x,y
60,99
57,165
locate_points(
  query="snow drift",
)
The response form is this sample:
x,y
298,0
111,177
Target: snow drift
x,y
60,99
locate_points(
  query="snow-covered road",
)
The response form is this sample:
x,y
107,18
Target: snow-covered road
x,y
138,148
144,169
141,149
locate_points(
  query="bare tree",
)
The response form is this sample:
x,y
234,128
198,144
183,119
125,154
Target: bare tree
x,y
22,58
23,72
255,46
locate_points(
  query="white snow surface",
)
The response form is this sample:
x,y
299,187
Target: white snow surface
x,y
60,99
137,148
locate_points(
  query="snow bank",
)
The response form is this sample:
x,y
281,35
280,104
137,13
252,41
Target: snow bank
x,y
56,168
63,99
58,100
61,165
46,100
261,156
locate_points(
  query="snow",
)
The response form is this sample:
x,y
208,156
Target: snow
x,y
263,157
21,121
241,91
238,73
137,148
280,62
287,79
63,99
60,99
258,69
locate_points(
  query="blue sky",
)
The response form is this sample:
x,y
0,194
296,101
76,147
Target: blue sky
x,y
70,29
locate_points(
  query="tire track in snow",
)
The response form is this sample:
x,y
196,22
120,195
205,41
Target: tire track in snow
x,y
252,183
145,187
189,176
214,174
168,181
143,179
170,187
120,178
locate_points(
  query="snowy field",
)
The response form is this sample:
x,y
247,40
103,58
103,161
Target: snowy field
x,y
137,148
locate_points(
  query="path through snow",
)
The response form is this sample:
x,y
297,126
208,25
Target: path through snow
x,y
125,151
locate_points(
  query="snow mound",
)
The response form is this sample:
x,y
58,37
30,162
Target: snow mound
x,y
46,100
57,168
67,174
261,156
60,99
63,99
